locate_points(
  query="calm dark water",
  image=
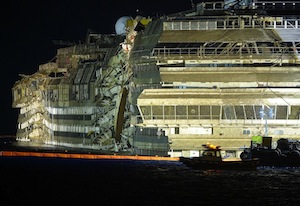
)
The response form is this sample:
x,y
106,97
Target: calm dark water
x,y
46,181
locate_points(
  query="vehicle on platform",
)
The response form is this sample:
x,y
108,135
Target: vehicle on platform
x,y
212,159
286,153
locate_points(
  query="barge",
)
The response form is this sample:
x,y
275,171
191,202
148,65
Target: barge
x,y
286,153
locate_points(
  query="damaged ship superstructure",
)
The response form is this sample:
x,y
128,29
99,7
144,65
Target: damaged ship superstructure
x,y
221,72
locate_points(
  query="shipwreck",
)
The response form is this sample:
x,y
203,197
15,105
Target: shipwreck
x,y
221,72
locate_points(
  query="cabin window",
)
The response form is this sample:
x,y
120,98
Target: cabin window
x,y
215,112
257,111
228,112
193,112
209,6
157,112
218,6
246,132
181,112
169,112
281,112
249,111
239,110
295,112
146,112
204,112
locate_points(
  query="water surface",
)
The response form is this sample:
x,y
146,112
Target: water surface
x,y
49,181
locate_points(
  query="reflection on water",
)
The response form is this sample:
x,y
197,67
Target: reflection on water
x,y
110,182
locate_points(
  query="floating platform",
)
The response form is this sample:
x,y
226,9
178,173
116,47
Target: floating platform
x,y
85,156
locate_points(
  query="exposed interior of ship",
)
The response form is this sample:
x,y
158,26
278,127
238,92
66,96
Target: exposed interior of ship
x,y
221,72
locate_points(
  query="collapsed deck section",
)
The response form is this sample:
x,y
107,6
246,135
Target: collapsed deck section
x,y
72,100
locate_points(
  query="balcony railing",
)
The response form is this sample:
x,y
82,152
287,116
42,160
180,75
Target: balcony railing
x,y
233,23
273,52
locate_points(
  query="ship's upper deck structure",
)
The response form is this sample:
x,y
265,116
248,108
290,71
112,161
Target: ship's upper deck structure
x,y
221,72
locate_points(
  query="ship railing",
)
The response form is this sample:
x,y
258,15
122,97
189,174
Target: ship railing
x,y
284,24
214,121
275,4
203,52
233,23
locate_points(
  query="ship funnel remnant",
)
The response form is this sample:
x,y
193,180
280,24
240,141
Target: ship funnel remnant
x,y
167,85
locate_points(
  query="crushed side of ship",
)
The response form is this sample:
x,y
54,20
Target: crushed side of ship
x,y
211,158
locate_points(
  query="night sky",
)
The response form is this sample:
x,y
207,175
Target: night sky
x,y
28,28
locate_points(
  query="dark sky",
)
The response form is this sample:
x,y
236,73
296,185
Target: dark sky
x,y
28,28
